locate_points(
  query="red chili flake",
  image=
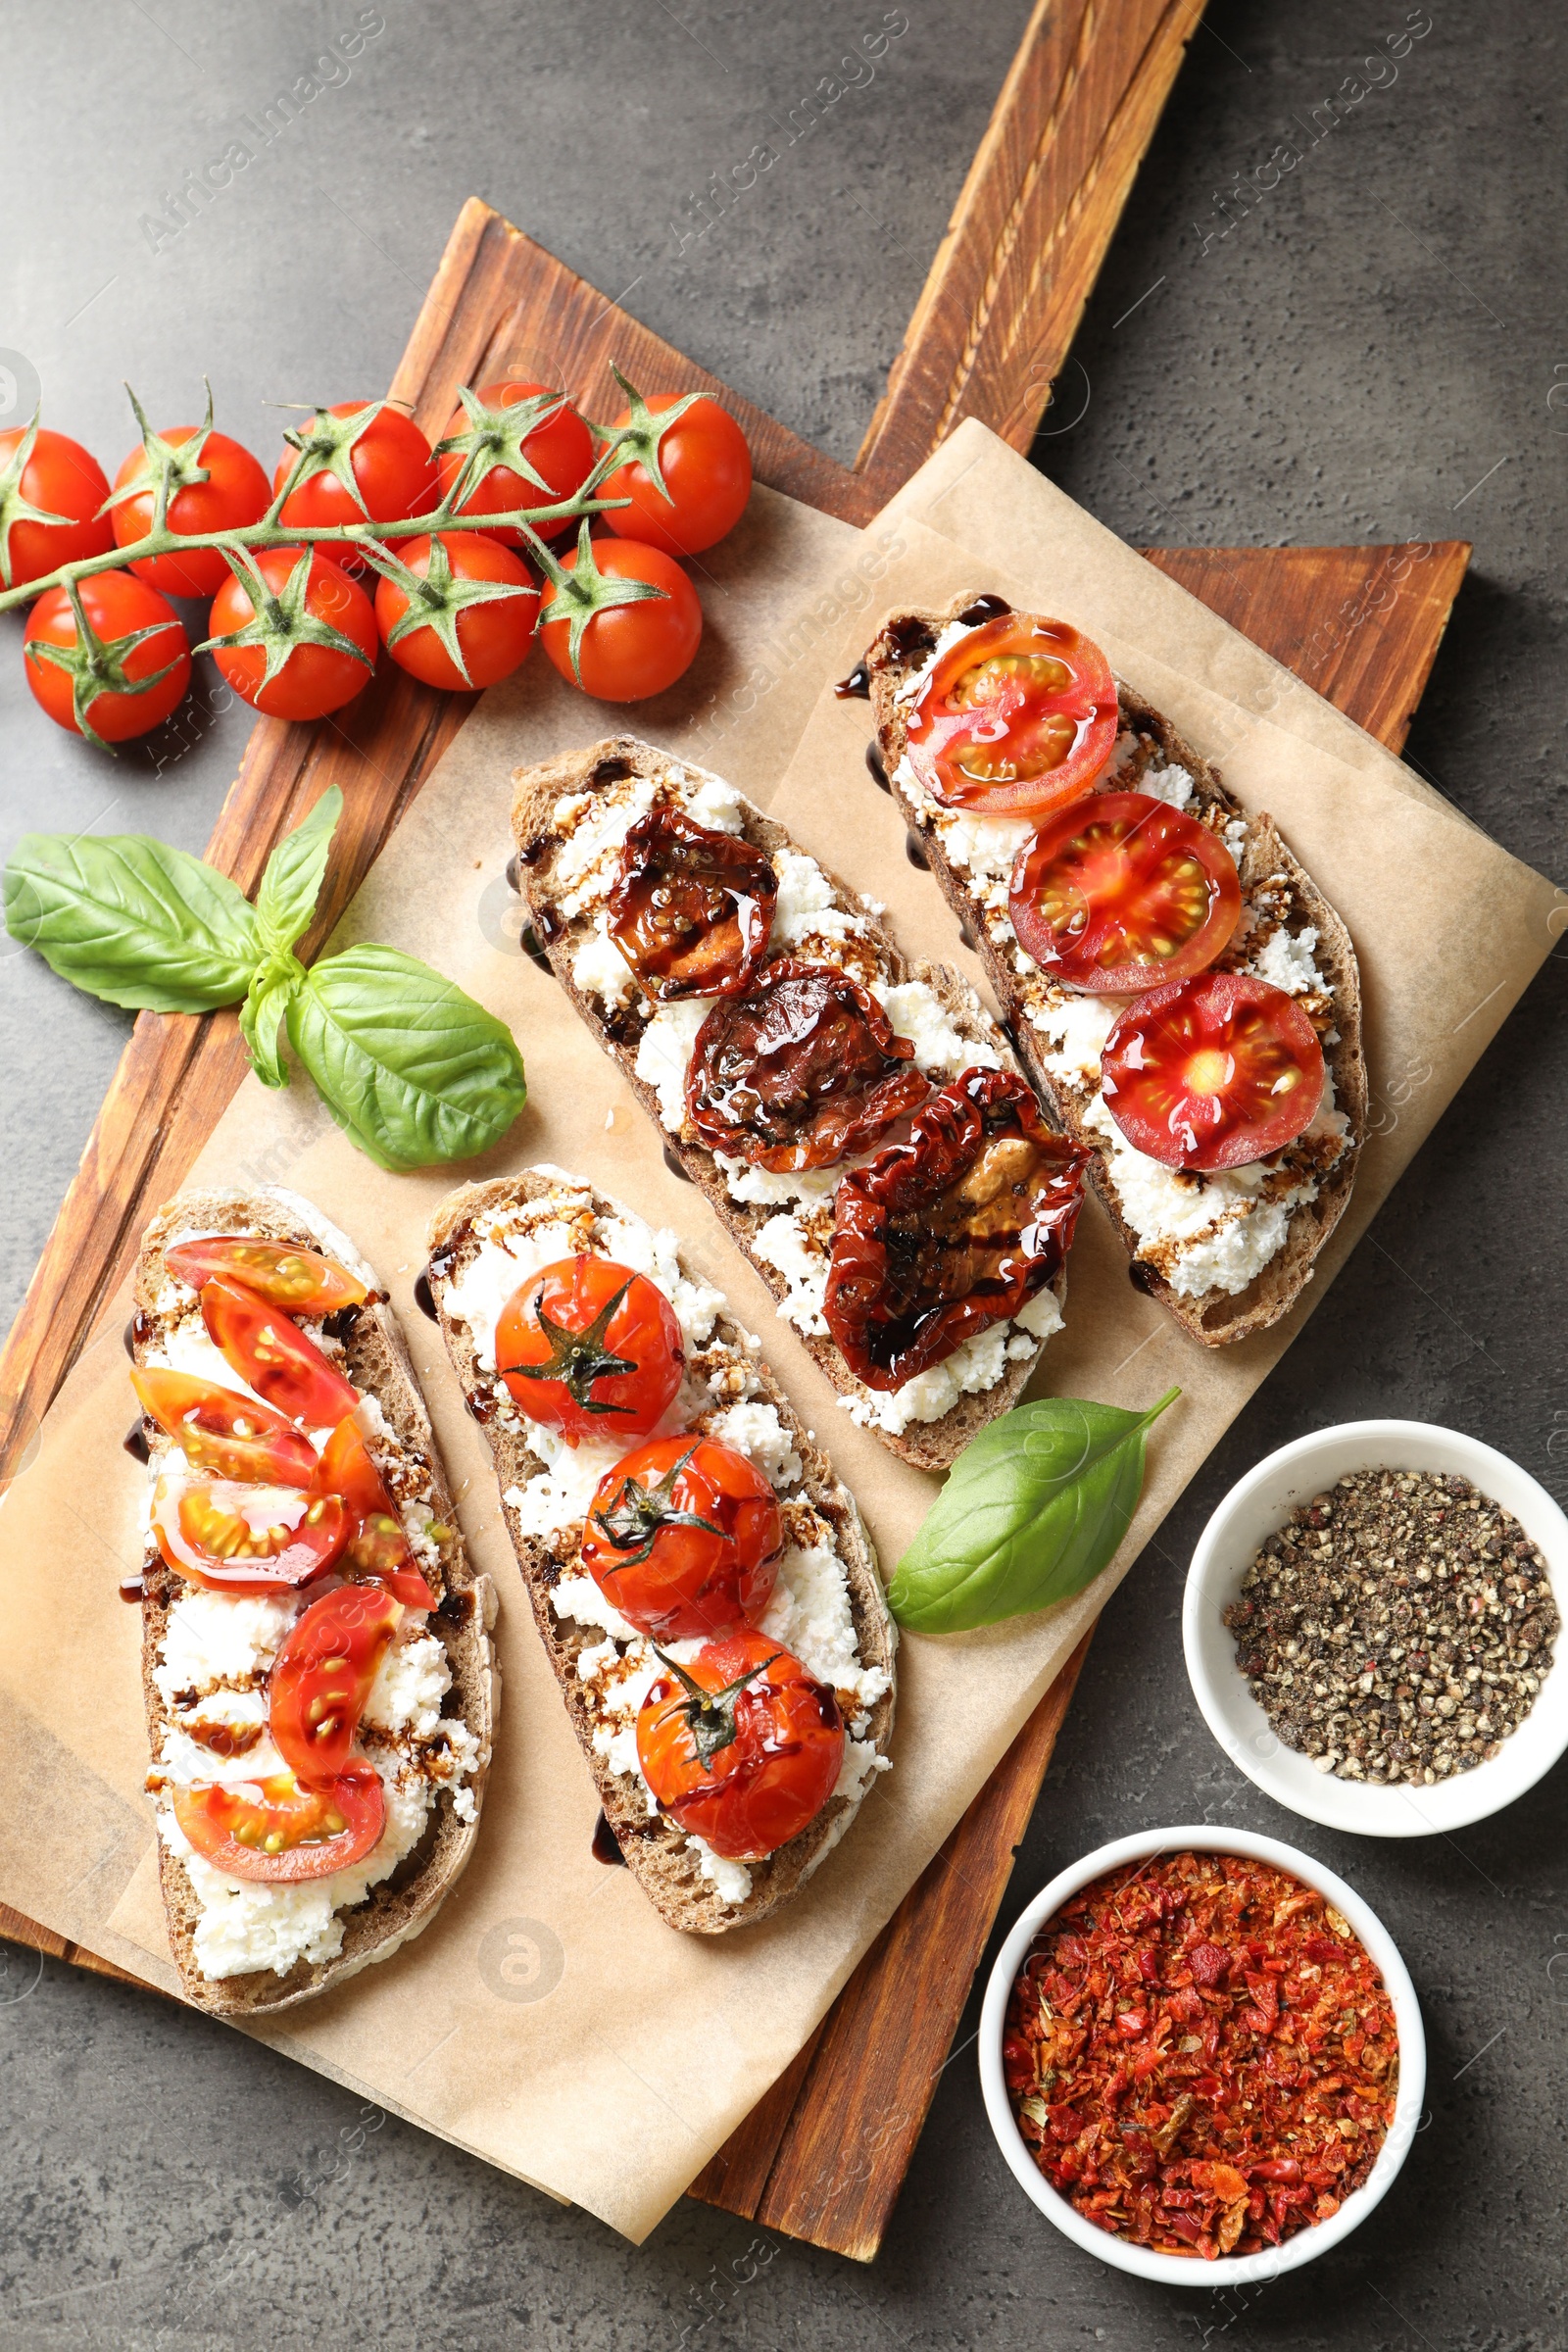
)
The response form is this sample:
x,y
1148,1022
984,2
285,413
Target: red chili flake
x,y
1247,2091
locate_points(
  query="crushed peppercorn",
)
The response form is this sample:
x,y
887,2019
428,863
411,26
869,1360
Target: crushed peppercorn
x,y
1201,2055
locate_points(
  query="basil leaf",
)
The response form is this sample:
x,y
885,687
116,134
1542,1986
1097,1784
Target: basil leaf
x,y
272,992
131,920
292,881
1034,1508
411,1068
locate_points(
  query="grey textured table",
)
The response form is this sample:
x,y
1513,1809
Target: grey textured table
x,y
1371,349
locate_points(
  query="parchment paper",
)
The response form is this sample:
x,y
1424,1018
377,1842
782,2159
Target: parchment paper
x,y
547,2020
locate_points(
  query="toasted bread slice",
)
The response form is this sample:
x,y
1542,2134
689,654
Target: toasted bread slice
x,y
723,1370
1316,1174
564,915
375,1357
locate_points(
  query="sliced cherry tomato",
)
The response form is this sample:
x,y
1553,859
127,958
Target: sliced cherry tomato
x,y
473,618
321,1677
621,649
550,449
801,1069
313,646
234,493
742,1747
121,676
688,479
221,1432
301,1282
685,1538
590,1349
290,1834
951,1232
270,1352
1212,1072
367,462
1016,719
691,909
51,490
378,1548
234,1537
1121,893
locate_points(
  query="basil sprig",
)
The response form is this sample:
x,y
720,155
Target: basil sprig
x,y
1034,1508
411,1069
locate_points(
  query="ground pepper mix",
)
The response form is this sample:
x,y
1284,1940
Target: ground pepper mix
x,y
1201,2055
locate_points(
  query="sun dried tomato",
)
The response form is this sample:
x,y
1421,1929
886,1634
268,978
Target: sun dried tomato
x,y
951,1231
690,909
801,1069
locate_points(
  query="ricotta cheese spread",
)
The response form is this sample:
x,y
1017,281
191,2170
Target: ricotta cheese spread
x,y
810,926
721,1396
211,1674
1204,1233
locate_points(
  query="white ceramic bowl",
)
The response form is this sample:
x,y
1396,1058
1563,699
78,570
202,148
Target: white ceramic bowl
x,y
1262,1503
1181,2270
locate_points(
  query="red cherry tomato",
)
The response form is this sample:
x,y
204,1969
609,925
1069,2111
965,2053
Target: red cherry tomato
x,y
321,1677
391,464
627,651
748,1758
234,494
301,1282
685,1538
590,1349
1016,719
493,631
706,469
559,450
1212,1072
99,691
234,1537
315,675
290,1834
271,1352
49,512
378,1548
221,1432
1120,893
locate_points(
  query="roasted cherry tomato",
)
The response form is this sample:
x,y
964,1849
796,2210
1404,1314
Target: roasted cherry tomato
x,y
955,1230
685,1538
232,1538
590,1349
689,479
270,1352
120,677
532,448
691,909
801,1069
1212,1072
301,1282
625,649
1121,893
291,1833
742,1747
472,621
378,1548
313,647
321,1677
1016,719
233,494
51,490
367,463
221,1432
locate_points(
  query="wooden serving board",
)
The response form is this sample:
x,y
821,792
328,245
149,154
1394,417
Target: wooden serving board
x,y
824,2154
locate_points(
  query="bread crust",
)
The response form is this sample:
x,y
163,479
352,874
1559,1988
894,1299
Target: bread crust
x,y
376,1358
927,1444
902,644
657,1852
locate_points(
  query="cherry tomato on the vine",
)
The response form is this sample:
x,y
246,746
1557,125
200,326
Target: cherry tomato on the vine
x,y
51,489
742,1747
590,1349
685,1537
313,646
702,461
479,603
620,647
234,494
121,675
367,462
510,425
